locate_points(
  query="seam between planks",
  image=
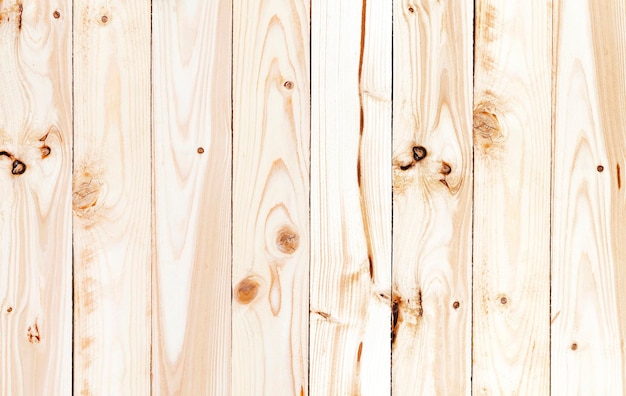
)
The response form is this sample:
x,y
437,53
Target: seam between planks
x,y
152,201
471,313
232,166
308,334
71,6
552,134
392,218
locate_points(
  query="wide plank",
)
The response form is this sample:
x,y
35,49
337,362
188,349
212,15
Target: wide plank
x,y
350,198
111,197
271,133
192,163
512,169
589,205
35,197
432,197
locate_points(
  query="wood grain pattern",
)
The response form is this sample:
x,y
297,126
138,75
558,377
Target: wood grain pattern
x,y
271,122
350,198
111,197
192,165
432,186
35,191
512,168
183,168
589,205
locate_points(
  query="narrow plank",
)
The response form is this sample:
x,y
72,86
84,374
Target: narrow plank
x,y
192,164
350,198
111,197
35,207
432,197
512,168
271,116
589,207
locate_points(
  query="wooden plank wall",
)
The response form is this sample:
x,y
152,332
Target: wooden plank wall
x,y
312,197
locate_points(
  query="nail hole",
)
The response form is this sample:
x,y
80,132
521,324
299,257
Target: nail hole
x,y
411,10
288,84
600,168
503,300
200,150
104,19
574,346
456,305
56,14
10,309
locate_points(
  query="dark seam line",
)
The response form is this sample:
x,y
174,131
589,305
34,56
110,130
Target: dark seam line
x,y
473,214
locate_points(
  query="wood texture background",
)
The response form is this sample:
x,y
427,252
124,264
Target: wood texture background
x,y
325,197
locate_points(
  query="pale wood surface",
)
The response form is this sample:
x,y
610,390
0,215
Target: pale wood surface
x,y
464,231
432,187
35,206
512,168
192,164
589,205
350,198
271,122
112,197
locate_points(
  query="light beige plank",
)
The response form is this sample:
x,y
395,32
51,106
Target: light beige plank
x,y
432,201
512,167
588,275
192,164
271,114
351,198
112,197
35,190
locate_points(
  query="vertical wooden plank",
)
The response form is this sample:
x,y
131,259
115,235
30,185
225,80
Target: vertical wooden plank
x,y
192,168
432,197
35,189
512,168
588,275
111,198
271,122
350,198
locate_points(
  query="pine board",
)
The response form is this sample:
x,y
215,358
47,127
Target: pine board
x,y
589,205
350,198
35,198
111,197
432,201
191,169
512,172
271,135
